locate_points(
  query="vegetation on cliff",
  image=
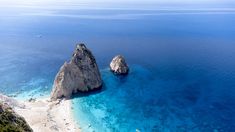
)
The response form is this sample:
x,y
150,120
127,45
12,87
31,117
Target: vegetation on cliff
x,y
11,122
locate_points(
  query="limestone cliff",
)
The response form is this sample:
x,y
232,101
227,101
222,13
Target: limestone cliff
x,y
80,74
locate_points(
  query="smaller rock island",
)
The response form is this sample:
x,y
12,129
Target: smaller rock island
x,y
80,74
119,66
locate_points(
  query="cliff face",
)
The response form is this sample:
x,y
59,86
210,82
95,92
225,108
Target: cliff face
x,y
11,122
80,74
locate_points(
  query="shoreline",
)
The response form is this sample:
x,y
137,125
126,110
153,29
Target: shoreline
x,y
45,115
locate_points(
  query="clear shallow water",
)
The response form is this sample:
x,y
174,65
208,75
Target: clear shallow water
x,y
182,65
146,102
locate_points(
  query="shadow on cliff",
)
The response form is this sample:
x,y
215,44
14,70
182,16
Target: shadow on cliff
x,y
93,92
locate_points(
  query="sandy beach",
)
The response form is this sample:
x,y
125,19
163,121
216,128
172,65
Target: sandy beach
x,y
45,116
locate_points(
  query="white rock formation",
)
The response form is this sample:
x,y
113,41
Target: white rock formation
x,y
119,66
11,101
80,74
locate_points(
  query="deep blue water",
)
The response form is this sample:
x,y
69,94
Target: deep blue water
x,y
182,68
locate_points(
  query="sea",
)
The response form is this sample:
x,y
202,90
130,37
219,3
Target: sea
x,y
181,60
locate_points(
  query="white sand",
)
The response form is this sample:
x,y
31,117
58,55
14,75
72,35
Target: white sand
x,y
45,116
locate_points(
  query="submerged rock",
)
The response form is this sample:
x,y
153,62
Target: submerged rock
x,y
119,66
12,122
80,74
32,100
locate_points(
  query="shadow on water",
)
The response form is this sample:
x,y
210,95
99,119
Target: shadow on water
x,y
119,78
93,92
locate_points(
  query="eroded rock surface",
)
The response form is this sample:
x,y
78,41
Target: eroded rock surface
x,y
119,65
80,74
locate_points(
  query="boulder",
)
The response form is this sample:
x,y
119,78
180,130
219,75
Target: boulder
x,y
119,65
12,122
80,74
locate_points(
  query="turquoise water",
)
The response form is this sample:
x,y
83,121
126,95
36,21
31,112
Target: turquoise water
x,y
149,101
182,75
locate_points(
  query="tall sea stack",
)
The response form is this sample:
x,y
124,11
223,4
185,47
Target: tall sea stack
x,y
80,74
